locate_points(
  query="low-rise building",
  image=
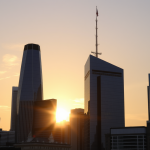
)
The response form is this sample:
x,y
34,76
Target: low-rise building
x,y
42,146
7,137
128,138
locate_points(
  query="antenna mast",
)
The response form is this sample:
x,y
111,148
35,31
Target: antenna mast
x,y
96,53
96,33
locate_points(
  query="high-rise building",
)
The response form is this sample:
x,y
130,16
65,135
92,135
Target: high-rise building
x,y
30,89
103,100
13,108
77,128
61,132
148,122
148,92
44,118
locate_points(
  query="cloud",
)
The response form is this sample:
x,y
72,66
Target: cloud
x,y
16,74
5,78
2,72
4,107
10,60
79,101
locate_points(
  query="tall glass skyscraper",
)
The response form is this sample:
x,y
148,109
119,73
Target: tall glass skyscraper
x,y
103,101
30,89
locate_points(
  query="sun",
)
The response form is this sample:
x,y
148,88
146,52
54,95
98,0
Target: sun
x,y
61,114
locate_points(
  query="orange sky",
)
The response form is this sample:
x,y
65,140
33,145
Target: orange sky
x,y
65,30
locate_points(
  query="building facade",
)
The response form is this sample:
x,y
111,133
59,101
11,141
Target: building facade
x,y
44,118
13,108
148,93
7,138
128,138
103,100
30,89
42,146
77,129
61,132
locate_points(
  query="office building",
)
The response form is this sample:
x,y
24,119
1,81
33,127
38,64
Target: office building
x,y
128,138
13,108
42,145
103,100
148,93
77,129
7,138
61,132
44,118
133,138
148,122
30,89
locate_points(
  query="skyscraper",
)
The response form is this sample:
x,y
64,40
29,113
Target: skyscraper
x,y
13,108
77,127
103,100
44,118
148,92
30,89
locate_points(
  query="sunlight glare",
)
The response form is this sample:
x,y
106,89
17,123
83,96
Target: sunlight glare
x,y
61,114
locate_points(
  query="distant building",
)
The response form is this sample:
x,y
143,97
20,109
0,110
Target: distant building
x,y
30,89
148,122
44,118
103,100
61,132
13,108
77,129
148,92
7,138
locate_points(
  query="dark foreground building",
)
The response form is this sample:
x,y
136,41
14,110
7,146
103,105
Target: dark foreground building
x,y
7,138
13,108
128,138
30,89
77,129
42,146
44,118
103,101
61,132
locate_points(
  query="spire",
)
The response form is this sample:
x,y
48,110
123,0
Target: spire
x,y
96,53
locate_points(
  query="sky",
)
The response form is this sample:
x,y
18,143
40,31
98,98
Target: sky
x,y
65,31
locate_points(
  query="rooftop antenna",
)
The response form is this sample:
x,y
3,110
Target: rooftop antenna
x,y
96,53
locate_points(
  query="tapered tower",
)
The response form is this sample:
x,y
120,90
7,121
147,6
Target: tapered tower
x,y
30,89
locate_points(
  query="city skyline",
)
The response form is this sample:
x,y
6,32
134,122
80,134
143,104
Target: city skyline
x,y
123,35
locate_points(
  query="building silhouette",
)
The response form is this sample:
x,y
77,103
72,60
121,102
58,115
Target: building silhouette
x,y
44,118
128,138
61,132
148,93
30,89
7,138
103,101
13,108
77,129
